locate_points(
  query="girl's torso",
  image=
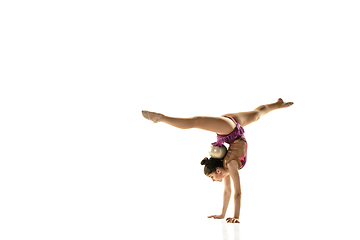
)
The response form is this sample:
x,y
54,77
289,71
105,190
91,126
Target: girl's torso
x,y
238,145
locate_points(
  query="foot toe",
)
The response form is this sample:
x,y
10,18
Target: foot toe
x,y
152,116
288,104
145,114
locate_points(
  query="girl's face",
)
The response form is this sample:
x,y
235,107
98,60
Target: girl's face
x,y
217,176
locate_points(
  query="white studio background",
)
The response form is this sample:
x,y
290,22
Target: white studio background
x,y
78,161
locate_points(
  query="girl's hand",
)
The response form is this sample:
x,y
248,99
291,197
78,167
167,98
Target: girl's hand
x,y
216,216
232,220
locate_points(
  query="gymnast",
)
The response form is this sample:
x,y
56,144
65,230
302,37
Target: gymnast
x,y
223,164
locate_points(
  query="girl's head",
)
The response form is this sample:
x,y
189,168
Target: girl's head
x,y
214,169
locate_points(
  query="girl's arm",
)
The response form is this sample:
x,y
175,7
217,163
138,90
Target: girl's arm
x,y
234,174
226,200
227,195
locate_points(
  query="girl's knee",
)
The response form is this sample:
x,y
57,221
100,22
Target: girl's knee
x,y
261,108
257,115
195,122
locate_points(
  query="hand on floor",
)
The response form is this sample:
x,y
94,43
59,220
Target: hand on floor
x,y
232,220
216,216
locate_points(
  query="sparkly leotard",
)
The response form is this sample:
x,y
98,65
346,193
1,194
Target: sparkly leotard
x,y
237,150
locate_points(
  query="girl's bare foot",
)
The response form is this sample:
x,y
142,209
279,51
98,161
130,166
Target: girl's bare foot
x,y
283,104
155,117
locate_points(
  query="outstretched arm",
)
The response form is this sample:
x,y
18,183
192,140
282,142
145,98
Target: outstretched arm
x,y
226,200
227,194
234,174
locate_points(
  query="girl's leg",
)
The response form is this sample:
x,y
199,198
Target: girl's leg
x,y
220,125
245,118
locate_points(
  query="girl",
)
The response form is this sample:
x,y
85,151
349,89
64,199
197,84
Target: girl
x,y
229,129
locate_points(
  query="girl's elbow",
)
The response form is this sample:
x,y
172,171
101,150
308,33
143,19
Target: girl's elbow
x,y
237,194
227,192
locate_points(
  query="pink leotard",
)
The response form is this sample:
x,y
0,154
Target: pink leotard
x,y
236,140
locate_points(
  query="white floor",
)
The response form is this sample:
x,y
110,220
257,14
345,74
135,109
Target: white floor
x,y
218,229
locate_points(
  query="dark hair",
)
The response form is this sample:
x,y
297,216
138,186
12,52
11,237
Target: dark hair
x,y
211,164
